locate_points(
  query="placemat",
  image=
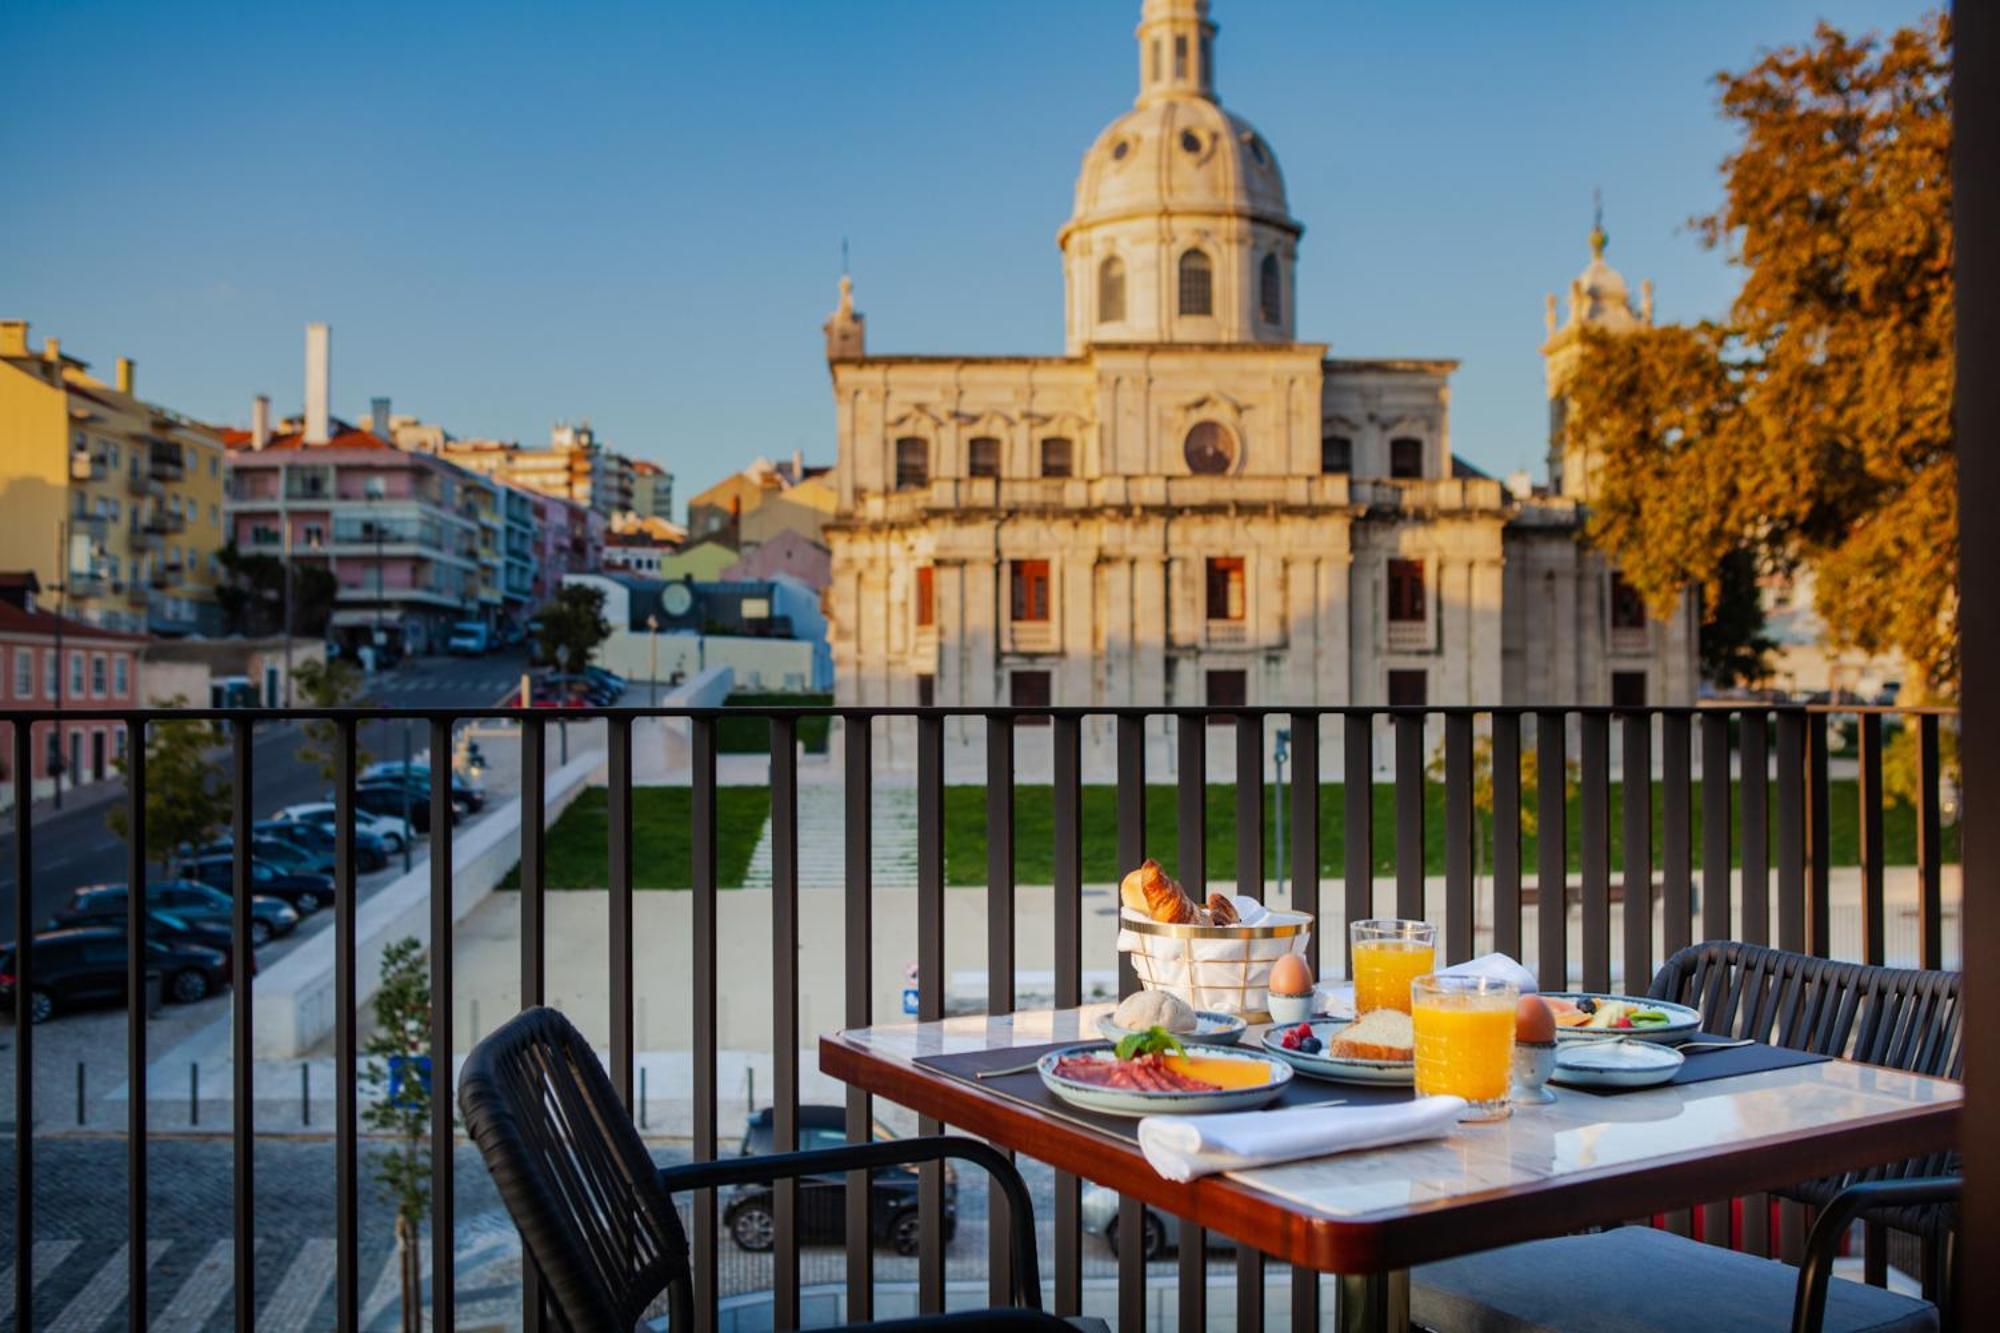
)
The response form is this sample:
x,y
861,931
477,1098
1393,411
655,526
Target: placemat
x,y
1026,1087
1703,1066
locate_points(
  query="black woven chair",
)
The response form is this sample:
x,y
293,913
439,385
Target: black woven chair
x,y
598,1216
1900,1018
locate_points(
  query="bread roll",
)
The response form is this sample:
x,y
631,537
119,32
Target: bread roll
x,y
1154,1008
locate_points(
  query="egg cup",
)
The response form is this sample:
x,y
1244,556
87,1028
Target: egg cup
x,y
1534,1062
1290,1008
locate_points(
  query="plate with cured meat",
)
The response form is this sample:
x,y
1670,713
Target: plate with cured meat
x,y
1152,1073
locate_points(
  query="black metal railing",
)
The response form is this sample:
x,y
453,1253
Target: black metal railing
x,y
1763,855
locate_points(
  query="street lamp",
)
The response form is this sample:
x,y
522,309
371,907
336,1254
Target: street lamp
x,y
1279,753
653,658
375,492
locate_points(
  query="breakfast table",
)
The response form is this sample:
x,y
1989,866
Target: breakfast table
x,y
1369,1216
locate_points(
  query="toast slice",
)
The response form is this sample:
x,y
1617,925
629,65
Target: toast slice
x,y
1381,1034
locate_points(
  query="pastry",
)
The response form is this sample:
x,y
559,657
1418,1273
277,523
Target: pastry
x,y
1222,910
1149,889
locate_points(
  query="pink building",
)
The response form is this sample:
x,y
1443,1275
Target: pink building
x,y
97,668
787,553
570,540
402,532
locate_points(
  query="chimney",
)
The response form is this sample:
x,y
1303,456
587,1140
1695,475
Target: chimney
x,y
798,466
378,417
125,375
52,350
13,337
319,370
260,421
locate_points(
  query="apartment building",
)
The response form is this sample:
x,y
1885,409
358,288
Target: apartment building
x,y
47,661
114,502
575,465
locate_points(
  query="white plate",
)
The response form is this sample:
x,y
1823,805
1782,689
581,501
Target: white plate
x,y
1394,1073
1211,1028
1615,1064
1125,1101
1682,1023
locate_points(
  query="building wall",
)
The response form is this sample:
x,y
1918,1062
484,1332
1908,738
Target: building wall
x,y
108,670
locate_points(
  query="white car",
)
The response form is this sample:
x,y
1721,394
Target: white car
x,y
394,833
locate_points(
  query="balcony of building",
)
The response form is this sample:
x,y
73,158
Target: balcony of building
x,y
166,461
164,521
89,464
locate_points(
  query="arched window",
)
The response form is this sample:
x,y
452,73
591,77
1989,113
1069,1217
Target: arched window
x,y
913,463
1270,291
1111,290
1210,449
1197,284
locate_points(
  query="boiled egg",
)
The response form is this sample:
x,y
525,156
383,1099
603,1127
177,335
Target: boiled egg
x,y
1291,976
1532,1020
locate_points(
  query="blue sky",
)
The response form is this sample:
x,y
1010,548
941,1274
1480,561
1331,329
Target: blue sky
x,y
513,213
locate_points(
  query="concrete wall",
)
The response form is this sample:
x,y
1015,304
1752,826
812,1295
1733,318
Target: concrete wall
x,y
295,1009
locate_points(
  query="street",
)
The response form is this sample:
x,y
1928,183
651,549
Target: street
x,y
73,847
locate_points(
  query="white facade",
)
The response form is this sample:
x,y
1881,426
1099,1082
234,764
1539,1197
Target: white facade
x,y
1190,506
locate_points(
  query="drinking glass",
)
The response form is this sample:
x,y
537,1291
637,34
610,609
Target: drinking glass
x,y
1465,1040
1388,956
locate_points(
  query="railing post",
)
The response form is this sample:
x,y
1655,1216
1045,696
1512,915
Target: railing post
x,y
999,960
1594,844
1756,782
137,922
1357,740
443,1205
1460,839
1131,851
1791,738
1637,770
1191,863
1676,833
702,877
1930,848
1507,833
346,1102
243,1126
618,864
785,1009
930,993
24,1031
1873,946
1068,908
1249,880
1410,796
1819,840
1551,852
1305,898
858,754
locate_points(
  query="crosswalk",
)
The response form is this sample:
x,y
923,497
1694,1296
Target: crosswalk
x,y
81,1287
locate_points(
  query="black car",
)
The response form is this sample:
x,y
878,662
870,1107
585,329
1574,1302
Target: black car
x,y
209,911
418,791
305,893
470,794
80,964
747,1210
278,853
370,852
173,930
396,800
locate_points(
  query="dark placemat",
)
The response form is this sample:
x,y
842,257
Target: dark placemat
x,y
1026,1087
1704,1066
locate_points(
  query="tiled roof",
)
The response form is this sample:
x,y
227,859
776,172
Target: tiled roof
x,y
13,620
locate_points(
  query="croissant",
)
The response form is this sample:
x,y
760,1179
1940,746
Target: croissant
x,y
1222,911
1150,890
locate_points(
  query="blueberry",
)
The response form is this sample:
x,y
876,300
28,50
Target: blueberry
x,y
1586,1006
1311,1046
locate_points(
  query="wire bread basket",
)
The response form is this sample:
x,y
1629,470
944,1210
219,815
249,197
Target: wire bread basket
x,y
1223,969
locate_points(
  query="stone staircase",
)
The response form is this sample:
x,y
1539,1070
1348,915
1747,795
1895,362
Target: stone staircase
x,y
823,839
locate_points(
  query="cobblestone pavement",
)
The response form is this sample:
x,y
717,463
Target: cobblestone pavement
x,y
80,1258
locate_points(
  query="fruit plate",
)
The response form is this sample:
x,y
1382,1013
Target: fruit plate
x,y
1615,1064
1211,1029
1682,1022
1132,1101
1335,1069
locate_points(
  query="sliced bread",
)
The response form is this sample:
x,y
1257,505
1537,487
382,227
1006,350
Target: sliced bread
x,y
1380,1034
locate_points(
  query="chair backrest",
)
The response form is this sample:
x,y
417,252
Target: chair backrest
x,y
1899,1017
574,1174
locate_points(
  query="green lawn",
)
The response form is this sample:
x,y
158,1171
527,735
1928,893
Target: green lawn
x,y
965,831
752,735
577,855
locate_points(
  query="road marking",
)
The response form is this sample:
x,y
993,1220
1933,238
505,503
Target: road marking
x,y
101,1295
202,1292
301,1290
48,1257
388,1287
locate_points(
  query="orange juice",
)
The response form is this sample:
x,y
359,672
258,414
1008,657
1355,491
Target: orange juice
x,y
1384,969
1464,1046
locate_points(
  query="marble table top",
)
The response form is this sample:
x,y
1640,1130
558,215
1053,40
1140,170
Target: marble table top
x,y
1789,1124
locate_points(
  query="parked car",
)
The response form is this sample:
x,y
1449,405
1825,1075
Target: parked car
x,y
469,638
200,907
80,964
462,788
1160,1232
370,852
593,693
611,680
391,799
280,853
747,1210
546,695
306,893
392,832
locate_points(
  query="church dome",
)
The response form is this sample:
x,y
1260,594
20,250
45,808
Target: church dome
x,y
1180,155
1180,232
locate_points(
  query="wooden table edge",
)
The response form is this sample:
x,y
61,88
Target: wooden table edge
x,y
1373,1243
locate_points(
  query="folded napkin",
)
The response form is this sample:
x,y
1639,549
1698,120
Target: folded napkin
x,y
1497,966
1181,1147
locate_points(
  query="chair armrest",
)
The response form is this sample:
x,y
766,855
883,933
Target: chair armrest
x,y
774,1167
1809,1306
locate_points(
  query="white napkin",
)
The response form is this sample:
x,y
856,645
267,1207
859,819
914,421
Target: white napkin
x,y
1497,966
1181,1147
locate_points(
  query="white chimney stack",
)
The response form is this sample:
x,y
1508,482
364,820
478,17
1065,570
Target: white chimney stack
x,y
260,421
378,417
319,371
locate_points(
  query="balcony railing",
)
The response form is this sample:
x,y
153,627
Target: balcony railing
x,y
89,465
165,521
1741,846
167,462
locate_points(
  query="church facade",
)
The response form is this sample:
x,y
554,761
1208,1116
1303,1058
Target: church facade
x,y
1192,506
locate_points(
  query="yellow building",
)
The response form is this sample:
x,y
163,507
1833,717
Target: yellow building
x,y
115,499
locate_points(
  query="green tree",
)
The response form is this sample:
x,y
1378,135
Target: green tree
x,y
1812,426
187,797
1482,791
573,625
334,684
252,594
398,1073
1735,650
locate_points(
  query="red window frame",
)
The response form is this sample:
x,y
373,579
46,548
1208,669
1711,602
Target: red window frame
x,y
1029,587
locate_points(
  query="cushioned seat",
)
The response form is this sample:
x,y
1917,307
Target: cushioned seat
x,y
1635,1280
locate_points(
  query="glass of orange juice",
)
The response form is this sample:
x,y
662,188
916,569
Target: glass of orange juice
x,y
1388,956
1465,1040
